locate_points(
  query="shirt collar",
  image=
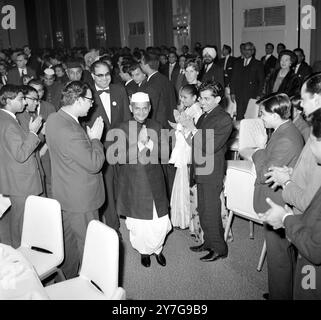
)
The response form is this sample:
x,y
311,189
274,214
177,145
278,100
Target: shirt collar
x,y
129,81
97,88
75,118
151,75
10,113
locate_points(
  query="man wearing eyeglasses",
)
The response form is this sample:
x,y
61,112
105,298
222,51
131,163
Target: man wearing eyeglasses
x,y
77,158
112,104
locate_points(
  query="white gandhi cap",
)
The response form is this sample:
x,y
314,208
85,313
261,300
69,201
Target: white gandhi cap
x,y
140,97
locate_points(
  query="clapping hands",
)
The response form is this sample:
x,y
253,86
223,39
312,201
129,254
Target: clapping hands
x,y
143,135
96,131
35,125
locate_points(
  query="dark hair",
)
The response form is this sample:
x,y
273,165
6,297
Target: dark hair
x,y
8,91
316,123
133,67
35,82
215,87
299,50
20,53
190,89
282,45
98,63
313,84
270,44
296,102
228,48
151,59
73,91
27,89
277,103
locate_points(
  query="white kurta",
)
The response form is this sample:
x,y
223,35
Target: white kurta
x,y
148,236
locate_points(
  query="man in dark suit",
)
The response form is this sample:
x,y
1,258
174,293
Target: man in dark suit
x,y
211,71
163,102
77,158
283,149
3,73
44,109
227,62
19,171
302,69
210,136
129,83
247,80
138,75
112,104
171,69
269,60
15,74
32,59
303,231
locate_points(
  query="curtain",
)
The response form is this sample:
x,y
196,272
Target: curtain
x,y
163,22
32,26
60,21
205,23
112,24
316,34
91,7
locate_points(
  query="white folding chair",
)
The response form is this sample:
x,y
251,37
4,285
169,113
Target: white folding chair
x,y
42,236
98,277
239,191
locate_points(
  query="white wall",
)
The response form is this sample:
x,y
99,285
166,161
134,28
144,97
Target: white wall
x,y
259,36
136,11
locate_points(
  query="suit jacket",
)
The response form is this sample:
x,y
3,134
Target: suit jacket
x,y
213,147
283,149
53,94
304,72
18,165
290,85
139,184
216,73
247,81
229,69
175,72
304,231
317,66
15,78
76,162
131,88
303,127
162,97
269,64
119,105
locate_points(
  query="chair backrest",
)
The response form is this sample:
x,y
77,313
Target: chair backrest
x,y
239,188
251,131
101,257
42,225
252,110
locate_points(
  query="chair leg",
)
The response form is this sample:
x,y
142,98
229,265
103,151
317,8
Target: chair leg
x,y
228,225
262,257
251,230
61,274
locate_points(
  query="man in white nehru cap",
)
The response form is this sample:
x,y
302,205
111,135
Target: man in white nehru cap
x,y
141,185
211,70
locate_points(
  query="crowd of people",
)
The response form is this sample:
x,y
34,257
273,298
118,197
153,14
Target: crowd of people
x,y
143,134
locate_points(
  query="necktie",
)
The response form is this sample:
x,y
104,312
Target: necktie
x,y
246,61
102,91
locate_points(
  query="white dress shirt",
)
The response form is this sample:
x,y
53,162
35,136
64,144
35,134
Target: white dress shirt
x,y
105,99
22,71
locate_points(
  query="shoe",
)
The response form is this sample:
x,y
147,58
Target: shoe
x,y
213,256
198,248
266,296
161,259
145,260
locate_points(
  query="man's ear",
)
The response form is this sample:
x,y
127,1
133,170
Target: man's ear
x,y
218,99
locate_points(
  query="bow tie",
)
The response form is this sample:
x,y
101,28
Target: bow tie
x,y
102,91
